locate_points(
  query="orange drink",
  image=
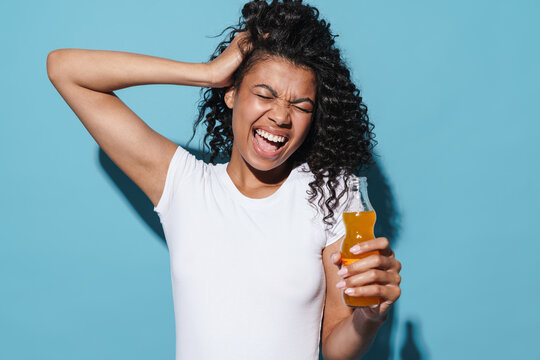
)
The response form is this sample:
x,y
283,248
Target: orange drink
x,y
359,227
359,220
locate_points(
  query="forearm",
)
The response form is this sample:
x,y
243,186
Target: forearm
x,y
106,71
351,338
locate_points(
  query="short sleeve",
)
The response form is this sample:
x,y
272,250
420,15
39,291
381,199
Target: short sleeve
x,y
337,230
182,165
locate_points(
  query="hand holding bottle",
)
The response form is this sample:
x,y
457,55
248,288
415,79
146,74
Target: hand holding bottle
x,y
374,275
367,264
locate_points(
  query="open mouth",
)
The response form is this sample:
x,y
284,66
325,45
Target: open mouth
x,y
268,143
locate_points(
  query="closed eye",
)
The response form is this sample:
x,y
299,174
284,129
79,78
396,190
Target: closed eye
x,y
299,108
304,110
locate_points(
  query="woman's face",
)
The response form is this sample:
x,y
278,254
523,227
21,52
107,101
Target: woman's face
x,y
272,112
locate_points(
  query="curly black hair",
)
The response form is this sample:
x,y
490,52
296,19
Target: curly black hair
x,y
341,138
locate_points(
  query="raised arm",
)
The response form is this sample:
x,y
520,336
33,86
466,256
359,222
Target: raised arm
x,y
86,80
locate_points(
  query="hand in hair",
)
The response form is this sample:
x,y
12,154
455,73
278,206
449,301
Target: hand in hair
x,y
223,67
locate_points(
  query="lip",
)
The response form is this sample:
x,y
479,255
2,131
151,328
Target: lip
x,y
268,155
272,131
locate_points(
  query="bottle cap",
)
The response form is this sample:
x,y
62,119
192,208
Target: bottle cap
x,y
355,180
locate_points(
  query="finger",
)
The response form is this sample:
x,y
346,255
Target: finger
x,y
375,261
397,265
373,276
244,42
264,36
387,252
240,35
336,258
387,292
380,243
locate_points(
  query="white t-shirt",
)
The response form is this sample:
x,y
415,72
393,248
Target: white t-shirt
x,y
247,274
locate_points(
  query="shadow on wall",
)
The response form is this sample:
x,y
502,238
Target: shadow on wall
x,y
387,225
410,349
383,201
138,199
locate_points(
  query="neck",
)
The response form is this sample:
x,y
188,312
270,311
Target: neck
x,y
256,182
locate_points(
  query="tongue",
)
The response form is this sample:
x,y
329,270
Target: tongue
x,y
266,145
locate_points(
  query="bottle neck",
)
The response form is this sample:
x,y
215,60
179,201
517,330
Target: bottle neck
x,y
358,200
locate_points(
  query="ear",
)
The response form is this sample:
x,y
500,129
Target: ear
x,y
229,97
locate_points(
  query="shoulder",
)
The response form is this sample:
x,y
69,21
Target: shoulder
x,y
186,171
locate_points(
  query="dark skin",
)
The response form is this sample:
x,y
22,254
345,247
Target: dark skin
x,y
275,96
277,105
382,269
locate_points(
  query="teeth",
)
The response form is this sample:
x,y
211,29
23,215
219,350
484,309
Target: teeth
x,y
266,135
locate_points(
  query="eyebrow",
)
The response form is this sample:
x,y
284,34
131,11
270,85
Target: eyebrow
x,y
274,93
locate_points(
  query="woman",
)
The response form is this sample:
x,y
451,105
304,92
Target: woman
x,y
254,260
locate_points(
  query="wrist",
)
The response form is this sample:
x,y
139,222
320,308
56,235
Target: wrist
x,y
190,74
360,316
214,75
208,70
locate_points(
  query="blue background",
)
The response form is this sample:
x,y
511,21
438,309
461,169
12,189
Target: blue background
x,y
452,88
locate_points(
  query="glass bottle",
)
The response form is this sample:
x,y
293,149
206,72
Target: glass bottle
x,y
359,218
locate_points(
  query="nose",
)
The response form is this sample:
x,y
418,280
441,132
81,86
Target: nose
x,y
280,113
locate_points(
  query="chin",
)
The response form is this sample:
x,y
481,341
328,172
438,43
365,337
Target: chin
x,y
263,164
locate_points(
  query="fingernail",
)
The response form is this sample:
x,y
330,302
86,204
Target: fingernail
x,y
342,271
349,291
340,284
355,249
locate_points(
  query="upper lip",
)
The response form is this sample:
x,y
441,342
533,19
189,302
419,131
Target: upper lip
x,y
272,131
